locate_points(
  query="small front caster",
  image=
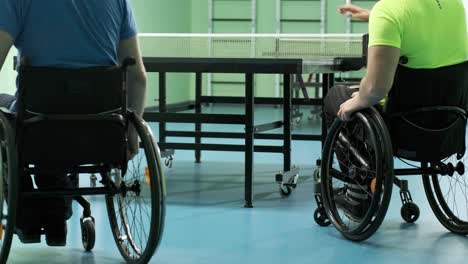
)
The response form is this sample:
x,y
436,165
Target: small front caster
x,y
168,162
88,234
321,218
93,180
285,191
410,212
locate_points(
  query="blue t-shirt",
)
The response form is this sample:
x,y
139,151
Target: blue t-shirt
x,y
68,33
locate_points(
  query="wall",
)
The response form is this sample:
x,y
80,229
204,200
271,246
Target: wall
x,y
266,23
8,75
165,16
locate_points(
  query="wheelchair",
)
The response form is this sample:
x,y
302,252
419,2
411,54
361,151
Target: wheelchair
x,y
76,121
424,123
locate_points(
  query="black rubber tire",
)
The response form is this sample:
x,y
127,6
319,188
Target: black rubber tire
x,y
8,186
410,212
316,175
439,204
291,181
285,193
321,218
380,137
121,227
168,162
88,235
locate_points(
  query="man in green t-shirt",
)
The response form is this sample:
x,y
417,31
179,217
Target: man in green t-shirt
x,y
429,34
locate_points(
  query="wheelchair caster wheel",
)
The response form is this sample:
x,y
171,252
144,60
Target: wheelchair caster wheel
x,y
317,175
93,180
88,234
168,162
410,212
321,217
297,121
285,191
292,180
313,117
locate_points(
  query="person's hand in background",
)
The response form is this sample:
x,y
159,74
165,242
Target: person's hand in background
x,y
355,12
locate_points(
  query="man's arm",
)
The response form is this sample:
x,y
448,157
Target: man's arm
x,y
6,42
381,67
355,12
136,81
129,48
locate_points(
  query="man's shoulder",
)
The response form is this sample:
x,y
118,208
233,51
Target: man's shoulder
x,y
394,9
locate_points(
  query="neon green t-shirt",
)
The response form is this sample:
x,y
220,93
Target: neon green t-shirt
x,y
430,33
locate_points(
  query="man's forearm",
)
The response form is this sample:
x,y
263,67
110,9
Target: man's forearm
x,y
137,94
381,67
371,94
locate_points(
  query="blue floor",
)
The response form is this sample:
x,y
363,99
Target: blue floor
x,y
206,222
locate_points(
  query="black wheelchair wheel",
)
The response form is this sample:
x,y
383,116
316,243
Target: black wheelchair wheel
x,y
358,153
137,214
448,195
88,235
8,186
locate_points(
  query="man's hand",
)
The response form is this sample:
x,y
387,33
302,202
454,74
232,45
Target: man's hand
x,y
354,12
349,107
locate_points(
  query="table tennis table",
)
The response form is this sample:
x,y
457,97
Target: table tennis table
x,y
249,54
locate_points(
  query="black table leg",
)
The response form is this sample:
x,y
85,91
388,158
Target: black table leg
x,y
249,139
287,123
198,110
328,80
162,106
327,83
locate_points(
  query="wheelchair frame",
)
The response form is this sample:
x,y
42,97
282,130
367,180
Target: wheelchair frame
x,y
324,215
115,189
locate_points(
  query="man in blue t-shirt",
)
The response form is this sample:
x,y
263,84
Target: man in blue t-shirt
x,y
68,34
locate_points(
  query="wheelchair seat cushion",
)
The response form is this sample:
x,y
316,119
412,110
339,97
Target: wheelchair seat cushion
x,y
428,136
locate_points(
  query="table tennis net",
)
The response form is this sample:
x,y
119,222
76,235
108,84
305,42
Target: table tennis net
x,y
302,46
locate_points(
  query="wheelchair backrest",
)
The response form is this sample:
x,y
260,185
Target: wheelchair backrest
x,y
428,135
71,117
53,91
